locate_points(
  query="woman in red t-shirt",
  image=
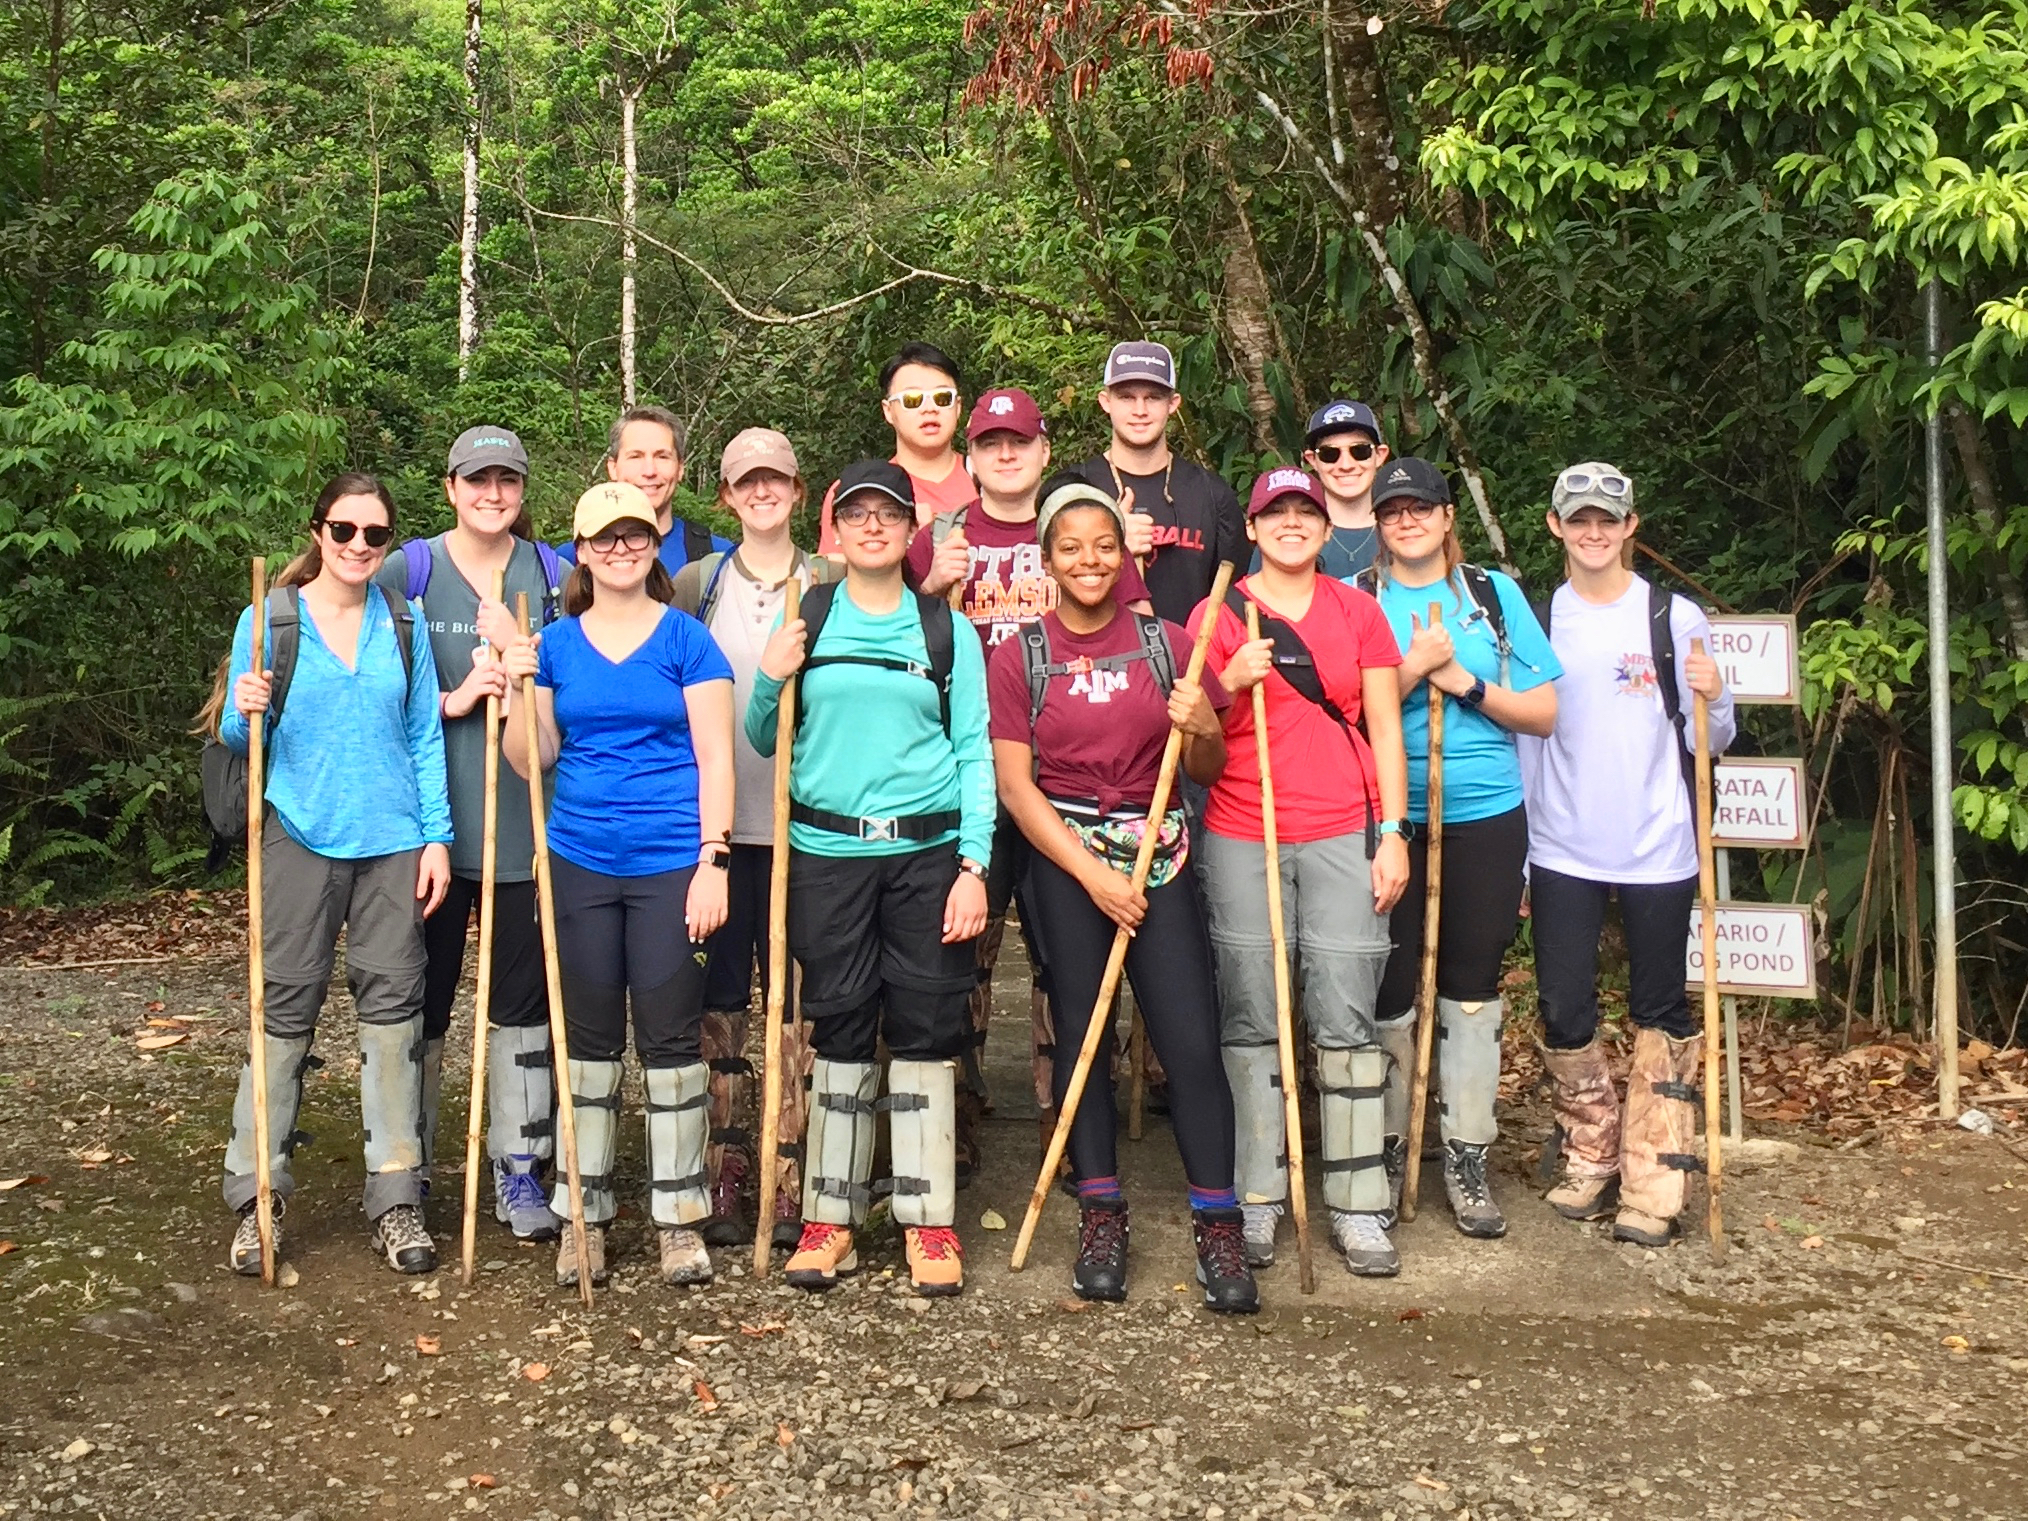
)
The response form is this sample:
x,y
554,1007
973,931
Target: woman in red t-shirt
x,y
1327,657
1080,721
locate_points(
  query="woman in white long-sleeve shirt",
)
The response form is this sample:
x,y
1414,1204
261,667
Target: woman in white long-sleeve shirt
x,y
1610,811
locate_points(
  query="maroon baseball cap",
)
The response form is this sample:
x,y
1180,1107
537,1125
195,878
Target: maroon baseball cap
x,y
1270,486
1007,410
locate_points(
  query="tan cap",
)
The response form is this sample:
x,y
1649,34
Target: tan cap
x,y
756,449
607,503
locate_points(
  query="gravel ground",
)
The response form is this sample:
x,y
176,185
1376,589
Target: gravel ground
x,y
1826,1369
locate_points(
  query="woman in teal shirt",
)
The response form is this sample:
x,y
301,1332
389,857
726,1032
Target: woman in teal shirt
x,y
1485,652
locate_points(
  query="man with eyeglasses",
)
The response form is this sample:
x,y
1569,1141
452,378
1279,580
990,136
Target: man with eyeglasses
x,y
923,402
1183,519
1342,449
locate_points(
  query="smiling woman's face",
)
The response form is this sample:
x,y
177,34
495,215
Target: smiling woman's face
x,y
1291,532
354,561
1085,554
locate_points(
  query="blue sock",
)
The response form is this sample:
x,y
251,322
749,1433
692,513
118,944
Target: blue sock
x,y
1213,1198
1104,1190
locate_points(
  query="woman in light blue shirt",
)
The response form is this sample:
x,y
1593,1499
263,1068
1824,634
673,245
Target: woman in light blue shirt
x,y
1485,652
357,839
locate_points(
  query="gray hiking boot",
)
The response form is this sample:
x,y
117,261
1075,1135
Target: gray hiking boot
x,y
1261,1221
1362,1238
246,1240
520,1202
595,1256
400,1237
1471,1198
684,1259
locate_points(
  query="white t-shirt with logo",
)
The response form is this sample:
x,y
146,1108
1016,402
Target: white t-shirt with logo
x,y
1606,799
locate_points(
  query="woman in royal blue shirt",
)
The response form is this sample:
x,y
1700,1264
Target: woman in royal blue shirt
x,y
634,708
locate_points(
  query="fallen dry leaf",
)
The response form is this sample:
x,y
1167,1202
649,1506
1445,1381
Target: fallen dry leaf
x,y
785,1434
705,1398
161,1042
761,1330
429,1346
992,1220
171,1023
1811,1243
535,1373
478,1480
1411,1314
155,1005
9,1246
27,1180
1073,1306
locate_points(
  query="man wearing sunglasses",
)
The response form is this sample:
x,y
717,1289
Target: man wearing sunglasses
x,y
1343,450
922,400
1182,519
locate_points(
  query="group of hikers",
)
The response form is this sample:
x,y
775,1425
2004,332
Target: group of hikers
x,y
988,662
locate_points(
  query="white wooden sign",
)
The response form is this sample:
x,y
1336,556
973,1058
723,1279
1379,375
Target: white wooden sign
x,y
1763,949
1757,802
1757,656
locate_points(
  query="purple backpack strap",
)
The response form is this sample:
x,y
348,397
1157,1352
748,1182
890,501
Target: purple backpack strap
x,y
416,556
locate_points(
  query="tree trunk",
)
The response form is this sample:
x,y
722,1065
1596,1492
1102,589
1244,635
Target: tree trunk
x,y
629,250
38,310
1986,508
1369,121
468,243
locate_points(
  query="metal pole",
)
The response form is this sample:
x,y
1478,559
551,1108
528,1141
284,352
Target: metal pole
x,y
1943,866
1735,1116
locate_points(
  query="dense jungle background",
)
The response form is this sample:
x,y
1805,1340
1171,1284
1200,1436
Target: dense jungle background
x,y
1688,236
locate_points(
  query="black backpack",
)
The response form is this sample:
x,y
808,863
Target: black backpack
x,y
1662,650
224,772
1485,596
696,541
1035,656
938,636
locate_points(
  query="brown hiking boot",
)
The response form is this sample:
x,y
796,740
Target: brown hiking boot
x,y
936,1263
823,1255
594,1251
1656,1155
1588,1114
684,1259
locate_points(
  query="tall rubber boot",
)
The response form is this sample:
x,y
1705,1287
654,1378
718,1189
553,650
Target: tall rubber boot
x,y
288,1058
729,1148
391,1113
1352,1117
922,1130
1397,1039
1587,1108
1656,1145
679,1128
521,1128
1261,1155
595,1108
837,1171
432,1096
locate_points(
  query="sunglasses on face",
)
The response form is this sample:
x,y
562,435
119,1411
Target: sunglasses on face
x,y
633,539
378,535
1393,512
912,401
1576,482
887,514
1327,454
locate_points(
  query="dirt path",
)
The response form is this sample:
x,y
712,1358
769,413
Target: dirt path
x,y
1823,1372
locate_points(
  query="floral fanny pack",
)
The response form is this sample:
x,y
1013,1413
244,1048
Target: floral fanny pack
x,y
1115,838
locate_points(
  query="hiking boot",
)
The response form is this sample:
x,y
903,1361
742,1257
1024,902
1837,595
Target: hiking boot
x,y
1360,1235
1588,1119
1101,1269
788,1226
399,1236
936,1263
684,1259
595,1255
1466,1187
1394,1162
1261,1221
520,1202
823,1254
245,1255
726,1224
1228,1283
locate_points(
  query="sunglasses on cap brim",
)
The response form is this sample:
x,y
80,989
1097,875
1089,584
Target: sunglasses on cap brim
x,y
1584,482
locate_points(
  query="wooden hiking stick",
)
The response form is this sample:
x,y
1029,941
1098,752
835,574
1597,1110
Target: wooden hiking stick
x,y
1707,894
778,957
1102,1007
256,961
1432,904
1285,1033
559,1038
482,1008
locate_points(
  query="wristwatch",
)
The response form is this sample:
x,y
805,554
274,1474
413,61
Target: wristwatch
x,y
1394,826
972,869
1475,694
719,856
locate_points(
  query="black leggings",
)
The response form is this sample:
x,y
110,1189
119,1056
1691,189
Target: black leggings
x,y
1169,965
1569,913
617,936
742,941
1484,866
520,991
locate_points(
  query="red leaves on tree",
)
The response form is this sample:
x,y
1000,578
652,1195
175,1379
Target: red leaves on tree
x,y
1040,46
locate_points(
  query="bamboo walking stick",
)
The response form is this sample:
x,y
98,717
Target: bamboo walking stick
x,y
482,1008
1707,892
256,961
778,958
1285,1032
1432,905
559,1038
1102,1007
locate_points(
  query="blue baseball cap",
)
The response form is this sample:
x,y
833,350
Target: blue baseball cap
x,y
1342,417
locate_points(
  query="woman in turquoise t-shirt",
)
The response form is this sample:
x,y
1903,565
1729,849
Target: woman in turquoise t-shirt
x,y
634,708
1488,656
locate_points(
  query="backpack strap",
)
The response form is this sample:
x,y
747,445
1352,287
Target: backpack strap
x,y
420,561
938,636
403,612
709,569
696,541
1156,651
1479,586
285,633
1368,581
1035,660
1662,650
552,579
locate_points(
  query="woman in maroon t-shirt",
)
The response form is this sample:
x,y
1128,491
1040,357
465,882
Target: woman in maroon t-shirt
x,y
1327,658
1080,720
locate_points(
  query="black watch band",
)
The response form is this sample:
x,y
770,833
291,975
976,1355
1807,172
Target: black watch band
x,y
1475,694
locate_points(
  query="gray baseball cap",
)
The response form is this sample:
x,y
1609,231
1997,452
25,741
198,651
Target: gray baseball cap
x,y
483,447
1151,362
1593,484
